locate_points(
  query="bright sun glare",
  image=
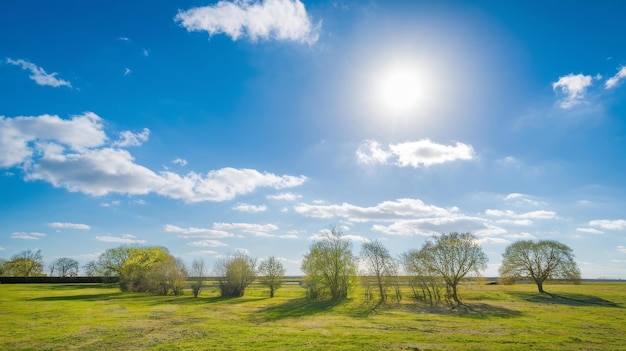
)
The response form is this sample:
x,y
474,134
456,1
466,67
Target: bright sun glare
x,y
401,89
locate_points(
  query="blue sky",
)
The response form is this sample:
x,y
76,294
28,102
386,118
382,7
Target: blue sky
x,y
209,127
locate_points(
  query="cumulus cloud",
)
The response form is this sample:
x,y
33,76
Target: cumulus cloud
x,y
383,211
618,224
39,75
251,228
193,232
128,138
249,208
421,153
74,154
616,79
27,236
521,218
282,20
124,239
437,225
207,243
574,87
76,226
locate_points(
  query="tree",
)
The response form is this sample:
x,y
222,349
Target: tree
x,y
3,267
271,271
329,266
379,264
540,261
92,269
64,267
27,263
154,270
425,283
452,256
197,276
111,261
235,273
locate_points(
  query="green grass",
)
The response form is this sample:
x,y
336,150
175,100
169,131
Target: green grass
x,y
590,316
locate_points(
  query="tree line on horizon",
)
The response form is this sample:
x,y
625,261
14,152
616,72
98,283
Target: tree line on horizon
x,y
331,269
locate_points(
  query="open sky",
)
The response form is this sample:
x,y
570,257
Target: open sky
x,y
209,127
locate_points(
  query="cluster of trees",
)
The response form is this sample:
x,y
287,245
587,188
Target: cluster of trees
x,y
331,269
434,271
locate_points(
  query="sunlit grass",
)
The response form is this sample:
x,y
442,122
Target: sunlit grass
x,y
590,316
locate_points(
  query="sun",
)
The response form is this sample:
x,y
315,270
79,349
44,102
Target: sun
x,y
401,88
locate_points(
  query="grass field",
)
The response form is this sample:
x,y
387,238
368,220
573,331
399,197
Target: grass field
x,y
590,316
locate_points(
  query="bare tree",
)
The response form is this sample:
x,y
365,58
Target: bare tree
x,y
452,256
235,273
64,267
197,275
425,283
329,266
380,265
271,272
539,261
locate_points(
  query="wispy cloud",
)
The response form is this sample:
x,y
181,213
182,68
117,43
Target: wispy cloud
x,y
128,138
124,239
618,224
251,228
283,20
249,208
589,230
180,162
74,154
284,196
193,232
616,79
77,226
574,87
207,243
421,153
27,236
39,75
621,249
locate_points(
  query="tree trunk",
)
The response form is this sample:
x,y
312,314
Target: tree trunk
x,y
271,291
540,286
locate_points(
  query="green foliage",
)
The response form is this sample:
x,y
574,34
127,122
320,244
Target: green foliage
x,y
453,256
198,272
235,273
540,261
426,285
380,265
271,272
330,266
27,263
154,270
111,262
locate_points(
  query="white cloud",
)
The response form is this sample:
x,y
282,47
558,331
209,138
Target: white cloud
x,y
386,210
250,208
520,222
127,71
124,239
76,226
618,224
589,230
511,215
284,196
207,243
437,225
203,252
514,196
252,228
613,81
421,153
18,135
491,240
193,232
27,236
128,138
574,87
39,75
283,20
520,236
621,249
180,162
73,154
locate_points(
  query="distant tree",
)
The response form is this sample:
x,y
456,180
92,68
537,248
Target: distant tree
x,y
27,263
452,256
379,264
234,274
271,272
540,261
92,269
197,275
425,283
329,266
3,267
111,262
64,267
154,270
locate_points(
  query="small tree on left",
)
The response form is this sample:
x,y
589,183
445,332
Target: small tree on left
x,y
27,263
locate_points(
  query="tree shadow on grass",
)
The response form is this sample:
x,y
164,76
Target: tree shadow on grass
x,y
297,308
474,310
84,297
565,299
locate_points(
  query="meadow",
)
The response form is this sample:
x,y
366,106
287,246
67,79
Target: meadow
x,y
589,316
